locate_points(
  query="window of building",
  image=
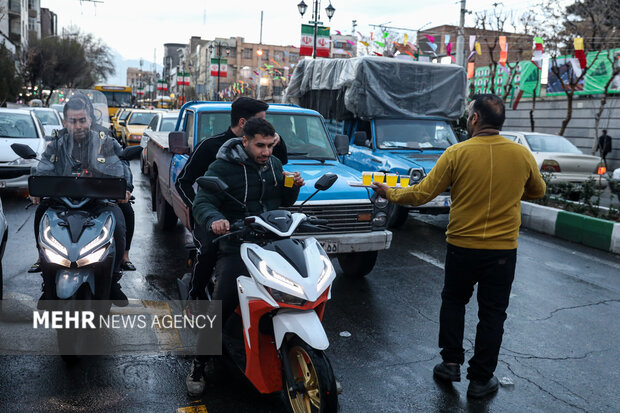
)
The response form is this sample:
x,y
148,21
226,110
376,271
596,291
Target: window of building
x,y
233,52
278,55
265,54
293,57
247,53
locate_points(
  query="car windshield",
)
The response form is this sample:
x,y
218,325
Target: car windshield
x,y
551,143
17,126
125,114
168,124
413,134
139,118
47,117
118,99
304,135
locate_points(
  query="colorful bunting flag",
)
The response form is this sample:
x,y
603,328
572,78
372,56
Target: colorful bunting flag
x,y
472,42
503,54
380,44
478,49
405,39
364,43
449,48
385,35
579,52
446,39
470,70
538,52
431,39
351,42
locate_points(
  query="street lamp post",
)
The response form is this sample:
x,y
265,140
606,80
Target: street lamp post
x,y
316,5
219,61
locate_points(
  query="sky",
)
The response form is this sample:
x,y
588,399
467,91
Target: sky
x,y
139,28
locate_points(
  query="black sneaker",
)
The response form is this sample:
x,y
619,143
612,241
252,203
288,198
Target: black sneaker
x,y
195,380
478,389
117,295
447,372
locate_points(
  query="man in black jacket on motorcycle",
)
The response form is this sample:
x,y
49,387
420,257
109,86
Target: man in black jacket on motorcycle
x,y
256,179
80,151
202,157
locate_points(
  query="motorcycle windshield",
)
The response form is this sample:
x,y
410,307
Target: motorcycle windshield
x,y
76,187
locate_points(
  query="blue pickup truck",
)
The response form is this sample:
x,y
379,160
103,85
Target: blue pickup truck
x,y
357,217
395,113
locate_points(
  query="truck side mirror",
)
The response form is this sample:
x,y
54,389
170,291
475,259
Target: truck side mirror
x,y
360,139
177,142
342,144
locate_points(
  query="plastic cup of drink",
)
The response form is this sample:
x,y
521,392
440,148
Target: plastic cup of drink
x,y
366,178
288,179
404,181
378,177
391,179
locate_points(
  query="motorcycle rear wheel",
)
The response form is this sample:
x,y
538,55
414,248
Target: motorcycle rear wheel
x,y
313,369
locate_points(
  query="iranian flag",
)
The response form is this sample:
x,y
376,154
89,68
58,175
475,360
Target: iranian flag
x,y
307,41
162,85
223,67
182,79
140,91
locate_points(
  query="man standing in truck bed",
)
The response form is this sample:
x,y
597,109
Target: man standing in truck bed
x,y
204,154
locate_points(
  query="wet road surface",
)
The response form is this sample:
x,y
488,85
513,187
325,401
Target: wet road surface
x,y
560,347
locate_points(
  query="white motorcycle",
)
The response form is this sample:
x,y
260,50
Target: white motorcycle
x,y
281,305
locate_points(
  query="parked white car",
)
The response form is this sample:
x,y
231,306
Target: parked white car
x,y
50,119
162,122
18,126
557,156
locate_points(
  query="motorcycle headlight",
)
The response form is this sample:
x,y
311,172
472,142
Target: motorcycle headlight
x,y
55,258
272,275
285,298
49,240
328,270
93,257
103,238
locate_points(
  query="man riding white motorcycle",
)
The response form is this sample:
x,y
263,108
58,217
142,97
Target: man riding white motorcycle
x,y
256,179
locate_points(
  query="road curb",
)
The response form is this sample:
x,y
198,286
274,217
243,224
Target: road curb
x,y
594,232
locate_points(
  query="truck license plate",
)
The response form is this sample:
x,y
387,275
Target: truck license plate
x,y
330,247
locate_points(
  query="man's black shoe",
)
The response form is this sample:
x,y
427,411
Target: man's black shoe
x,y
478,389
117,295
447,372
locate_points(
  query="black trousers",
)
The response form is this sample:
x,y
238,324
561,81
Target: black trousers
x,y
206,258
119,230
130,222
228,268
493,271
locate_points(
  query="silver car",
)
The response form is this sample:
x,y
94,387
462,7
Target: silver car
x,y
50,119
557,156
18,126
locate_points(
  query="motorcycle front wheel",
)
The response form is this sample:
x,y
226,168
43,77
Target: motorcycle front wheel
x,y
311,368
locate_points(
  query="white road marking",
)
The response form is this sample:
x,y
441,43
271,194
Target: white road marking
x,y
427,258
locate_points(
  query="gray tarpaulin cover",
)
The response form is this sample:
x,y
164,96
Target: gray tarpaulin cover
x,y
376,87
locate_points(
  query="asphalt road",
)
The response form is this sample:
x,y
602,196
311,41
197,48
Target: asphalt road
x,y
560,348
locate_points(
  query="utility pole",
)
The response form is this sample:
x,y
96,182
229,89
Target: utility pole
x,y
460,38
260,55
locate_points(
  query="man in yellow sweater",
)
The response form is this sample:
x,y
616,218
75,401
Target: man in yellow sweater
x,y
488,175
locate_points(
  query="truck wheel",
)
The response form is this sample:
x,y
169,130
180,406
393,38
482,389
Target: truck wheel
x,y
166,218
397,216
357,264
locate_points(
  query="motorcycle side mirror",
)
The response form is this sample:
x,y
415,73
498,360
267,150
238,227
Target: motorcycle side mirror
x,y
325,182
131,152
211,184
23,151
177,142
342,144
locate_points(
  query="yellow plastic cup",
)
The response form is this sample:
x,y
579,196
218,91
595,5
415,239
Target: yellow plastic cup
x,y
404,181
288,179
366,178
391,179
378,177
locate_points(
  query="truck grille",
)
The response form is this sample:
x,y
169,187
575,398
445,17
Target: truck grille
x,y
341,218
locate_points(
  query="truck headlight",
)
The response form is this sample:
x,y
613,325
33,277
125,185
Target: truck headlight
x,y
415,175
380,220
379,201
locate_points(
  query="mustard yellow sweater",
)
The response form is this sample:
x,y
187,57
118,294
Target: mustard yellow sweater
x,y
487,176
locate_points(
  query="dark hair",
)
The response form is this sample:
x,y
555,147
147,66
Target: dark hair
x,y
79,102
491,110
245,108
604,131
258,126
